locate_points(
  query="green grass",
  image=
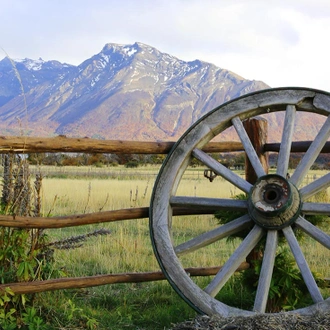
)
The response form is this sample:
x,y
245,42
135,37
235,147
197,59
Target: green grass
x,y
121,306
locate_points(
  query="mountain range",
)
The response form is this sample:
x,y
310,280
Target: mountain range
x,y
125,92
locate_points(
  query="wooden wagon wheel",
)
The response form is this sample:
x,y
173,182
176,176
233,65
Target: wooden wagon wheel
x,y
275,204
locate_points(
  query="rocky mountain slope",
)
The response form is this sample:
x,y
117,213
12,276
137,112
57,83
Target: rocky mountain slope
x,y
124,92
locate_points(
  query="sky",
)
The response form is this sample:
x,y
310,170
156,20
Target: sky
x,y
282,43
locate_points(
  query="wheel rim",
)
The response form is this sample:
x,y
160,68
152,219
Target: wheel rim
x,y
264,221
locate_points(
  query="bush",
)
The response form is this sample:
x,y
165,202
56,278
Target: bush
x,y
24,255
132,164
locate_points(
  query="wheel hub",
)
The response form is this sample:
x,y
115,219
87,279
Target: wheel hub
x,y
274,202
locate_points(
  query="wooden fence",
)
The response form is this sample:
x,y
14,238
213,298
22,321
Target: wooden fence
x,y
62,144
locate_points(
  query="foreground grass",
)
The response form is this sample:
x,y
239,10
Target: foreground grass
x,y
121,306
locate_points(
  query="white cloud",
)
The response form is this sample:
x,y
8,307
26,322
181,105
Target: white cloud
x,y
281,42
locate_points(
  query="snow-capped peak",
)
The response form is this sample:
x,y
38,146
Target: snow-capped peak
x,y
129,50
34,65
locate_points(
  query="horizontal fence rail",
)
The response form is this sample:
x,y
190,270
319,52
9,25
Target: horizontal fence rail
x,y
300,146
90,218
97,280
21,144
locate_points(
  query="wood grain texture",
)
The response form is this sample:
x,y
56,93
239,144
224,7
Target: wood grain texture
x,y
249,242
21,144
221,170
302,265
94,218
286,141
257,132
311,154
315,186
313,232
266,272
214,235
89,281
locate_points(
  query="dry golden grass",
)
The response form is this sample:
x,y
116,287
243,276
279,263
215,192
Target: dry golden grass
x,y
83,195
128,248
72,196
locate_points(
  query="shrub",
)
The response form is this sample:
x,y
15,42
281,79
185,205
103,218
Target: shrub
x,y
24,255
132,164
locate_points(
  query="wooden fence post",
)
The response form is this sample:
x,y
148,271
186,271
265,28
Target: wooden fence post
x,y
257,130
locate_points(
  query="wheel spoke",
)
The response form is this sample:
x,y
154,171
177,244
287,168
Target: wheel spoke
x,y
214,235
311,154
266,272
313,231
250,241
316,208
302,264
285,148
206,203
250,151
315,187
222,170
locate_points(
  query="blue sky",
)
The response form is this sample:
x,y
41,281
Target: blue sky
x,y
283,43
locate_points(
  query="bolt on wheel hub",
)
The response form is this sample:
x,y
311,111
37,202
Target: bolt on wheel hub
x,y
274,202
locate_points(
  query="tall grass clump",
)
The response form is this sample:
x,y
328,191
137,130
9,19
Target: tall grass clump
x,y
24,255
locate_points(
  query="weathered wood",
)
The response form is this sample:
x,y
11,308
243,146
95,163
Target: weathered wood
x,y
73,220
221,170
94,218
250,241
302,264
266,272
257,131
214,235
316,208
89,281
287,134
313,232
21,144
296,146
207,202
314,187
311,154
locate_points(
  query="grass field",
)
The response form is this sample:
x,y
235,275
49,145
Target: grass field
x,y
127,248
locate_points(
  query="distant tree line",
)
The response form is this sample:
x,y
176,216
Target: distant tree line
x,y
93,159
230,160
